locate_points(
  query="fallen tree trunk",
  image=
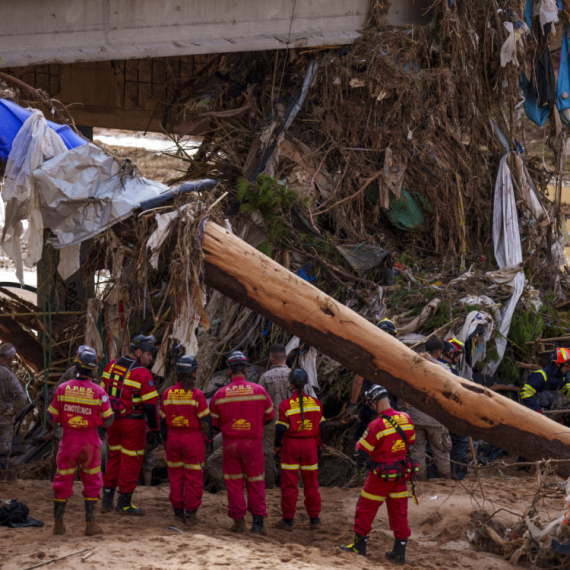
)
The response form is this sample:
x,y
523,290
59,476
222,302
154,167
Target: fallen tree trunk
x,y
259,283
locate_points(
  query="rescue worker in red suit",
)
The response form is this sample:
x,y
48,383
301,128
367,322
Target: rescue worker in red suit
x,y
240,410
80,407
185,422
133,396
299,434
384,446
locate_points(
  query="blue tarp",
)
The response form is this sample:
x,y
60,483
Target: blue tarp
x,y
12,117
563,87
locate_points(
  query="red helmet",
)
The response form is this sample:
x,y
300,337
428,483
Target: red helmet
x,y
453,346
561,356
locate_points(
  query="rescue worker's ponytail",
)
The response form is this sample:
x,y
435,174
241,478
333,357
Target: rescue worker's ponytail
x,y
298,379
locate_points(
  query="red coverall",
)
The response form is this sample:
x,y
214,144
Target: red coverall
x,y
240,409
299,451
383,443
129,386
185,452
80,406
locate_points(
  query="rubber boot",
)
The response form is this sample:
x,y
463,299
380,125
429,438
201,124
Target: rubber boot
x,y
107,504
191,518
257,526
179,516
91,527
358,546
315,523
126,507
238,526
285,524
398,552
58,512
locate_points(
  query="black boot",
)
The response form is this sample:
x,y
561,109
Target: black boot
x,y
285,524
126,507
358,546
58,512
179,515
257,526
191,518
91,527
315,523
398,552
107,503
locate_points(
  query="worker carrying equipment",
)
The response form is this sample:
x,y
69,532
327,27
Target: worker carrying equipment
x,y
299,435
551,378
80,407
240,410
133,396
185,424
385,447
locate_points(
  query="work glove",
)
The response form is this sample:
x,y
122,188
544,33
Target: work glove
x,y
353,410
102,432
277,456
153,438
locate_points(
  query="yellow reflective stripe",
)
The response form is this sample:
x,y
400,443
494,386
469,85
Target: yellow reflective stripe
x,y
398,495
174,465
62,398
60,500
543,375
149,396
66,471
256,478
240,399
130,452
53,411
91,499
91,471
162,414
114,447
280,423
322,420
132,384
527,392
194,466
372,497
137,400
366,445
298,411
204,413
239,476
290,466
106,375
215,415
108,413
267,410
183,402
309,467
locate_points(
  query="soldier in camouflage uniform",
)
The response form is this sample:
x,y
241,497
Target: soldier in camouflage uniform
x,y
276,383
13,399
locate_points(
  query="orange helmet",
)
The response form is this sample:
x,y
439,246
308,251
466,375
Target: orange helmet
x,y
561,356
453,346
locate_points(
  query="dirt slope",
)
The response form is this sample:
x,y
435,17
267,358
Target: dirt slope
x,y
438,525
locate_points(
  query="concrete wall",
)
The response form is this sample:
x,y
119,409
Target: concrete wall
x,y
64,31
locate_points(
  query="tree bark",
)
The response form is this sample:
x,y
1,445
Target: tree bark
x,y
244,274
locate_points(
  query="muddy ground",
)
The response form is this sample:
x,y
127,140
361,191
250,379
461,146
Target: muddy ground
x,y
438,525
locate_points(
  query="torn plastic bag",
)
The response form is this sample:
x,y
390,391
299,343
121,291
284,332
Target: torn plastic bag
x,y
534,112
34,144
365,258
543,84
405,213
84,191
563,548
410,325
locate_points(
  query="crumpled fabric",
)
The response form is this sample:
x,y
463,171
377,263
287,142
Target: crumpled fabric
x,y
475,322
547,12
514,40
69,260
412,325
308,362
157,238
508,253
34,144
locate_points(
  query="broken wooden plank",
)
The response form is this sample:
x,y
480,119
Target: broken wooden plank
x,y
259,283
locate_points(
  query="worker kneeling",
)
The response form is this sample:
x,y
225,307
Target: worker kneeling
x,y
299,434
80,407
184,422
385,444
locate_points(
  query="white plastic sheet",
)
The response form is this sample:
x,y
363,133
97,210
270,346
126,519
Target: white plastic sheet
x,y
84,190
33,145
508,253
308,362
